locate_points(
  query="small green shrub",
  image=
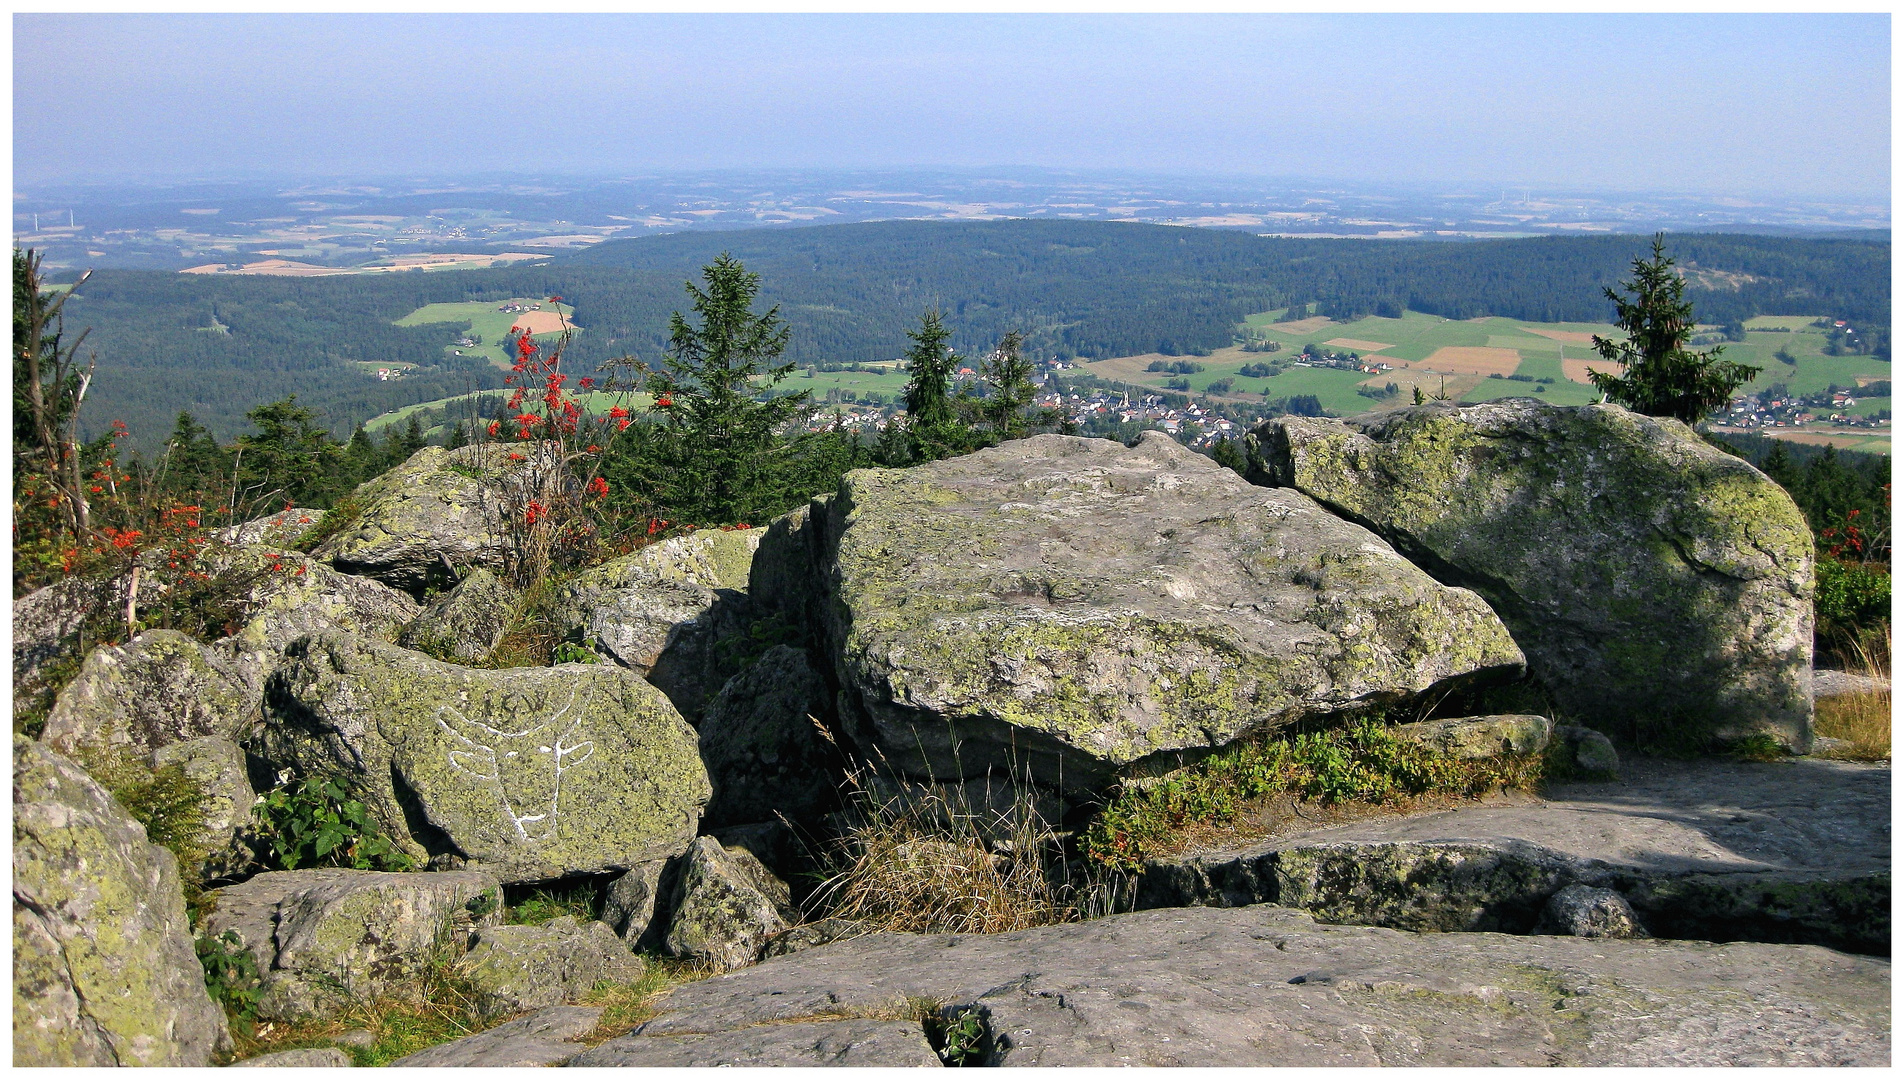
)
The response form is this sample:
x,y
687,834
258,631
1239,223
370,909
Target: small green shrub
x,y
570,652
171,805
958,1036
231,974
543,904
316,823
1366,762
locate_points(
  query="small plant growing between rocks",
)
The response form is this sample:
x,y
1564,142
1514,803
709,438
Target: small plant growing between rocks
x,y
231,974
171,805
958,1036
315,822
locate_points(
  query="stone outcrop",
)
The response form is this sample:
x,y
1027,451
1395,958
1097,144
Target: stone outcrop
x,y
726,907
44,619
279,530
515,968
160,688
543,1038
1660,587
216,767
1078,607
1584,911
532,772
424,522
628,907
1255,985
890,1044
322,1057
1719,851
103,967
324,937
466,623
661,610
762,750
1471,738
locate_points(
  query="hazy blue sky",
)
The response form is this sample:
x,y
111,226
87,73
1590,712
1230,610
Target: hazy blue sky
x,y
1753,104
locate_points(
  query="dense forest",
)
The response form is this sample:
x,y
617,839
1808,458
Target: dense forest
x,y
217,346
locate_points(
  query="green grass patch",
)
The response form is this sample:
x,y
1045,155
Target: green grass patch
x,y
1366,762
482,320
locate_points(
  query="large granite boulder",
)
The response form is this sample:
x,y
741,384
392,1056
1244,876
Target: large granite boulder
x,y
761,748
466,623
533,772
280,530
425,522
44,620
1660,587
160,688
287,595
511,969
1076,607
661,610
543,1038
103,967
323,938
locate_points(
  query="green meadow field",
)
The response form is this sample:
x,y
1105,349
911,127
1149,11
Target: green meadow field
x,y
482,318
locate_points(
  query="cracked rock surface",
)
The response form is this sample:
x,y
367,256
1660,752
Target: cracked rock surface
x,y
1264,985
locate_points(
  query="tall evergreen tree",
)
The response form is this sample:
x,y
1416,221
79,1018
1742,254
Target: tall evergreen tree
x,y
1660,375
1007,376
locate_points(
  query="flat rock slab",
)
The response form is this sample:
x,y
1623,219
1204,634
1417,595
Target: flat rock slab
x,y
542,1038
1717,850
1264,985
874,1043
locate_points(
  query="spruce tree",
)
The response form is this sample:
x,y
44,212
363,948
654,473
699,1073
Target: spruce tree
x,y
1660,376
1007,376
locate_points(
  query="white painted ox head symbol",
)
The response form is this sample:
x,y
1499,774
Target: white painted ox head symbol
x,y
527,765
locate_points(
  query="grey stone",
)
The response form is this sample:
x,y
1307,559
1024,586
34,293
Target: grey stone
x,y
1256,985
629,905
288,595
217,767
1661,587
762,750
355,1037
44,620
726,907
534,772
465,623
1590,752
160,688
324,937
1826,683
1584,911
813,935
513,968
871,1043
426,522
279,530
1795,851
313,1058
1072,607
663,610
1476,737
104,972
543,1038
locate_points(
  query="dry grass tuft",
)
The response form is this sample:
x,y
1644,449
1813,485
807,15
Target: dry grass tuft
x,y
1862,719
627,1006
918,861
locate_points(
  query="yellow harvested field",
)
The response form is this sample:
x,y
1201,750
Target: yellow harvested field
x,y
1879,443
1576,370
1357,344
1470,360
1301,326
1573,337
538,322
1430,383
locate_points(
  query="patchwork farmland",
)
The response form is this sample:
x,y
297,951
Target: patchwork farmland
x,y
490,322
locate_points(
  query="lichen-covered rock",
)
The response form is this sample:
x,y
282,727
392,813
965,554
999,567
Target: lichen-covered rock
x,y
1584,911
317,1057
216,767
160,688
513,968
424,522
1472,738
323,937
465,623
1590,752
726,908
761,748
103,967
660,610
629,905
533,772
1660,587
1077,606
278,530
44,619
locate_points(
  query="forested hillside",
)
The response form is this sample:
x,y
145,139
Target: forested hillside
x,y
850,292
